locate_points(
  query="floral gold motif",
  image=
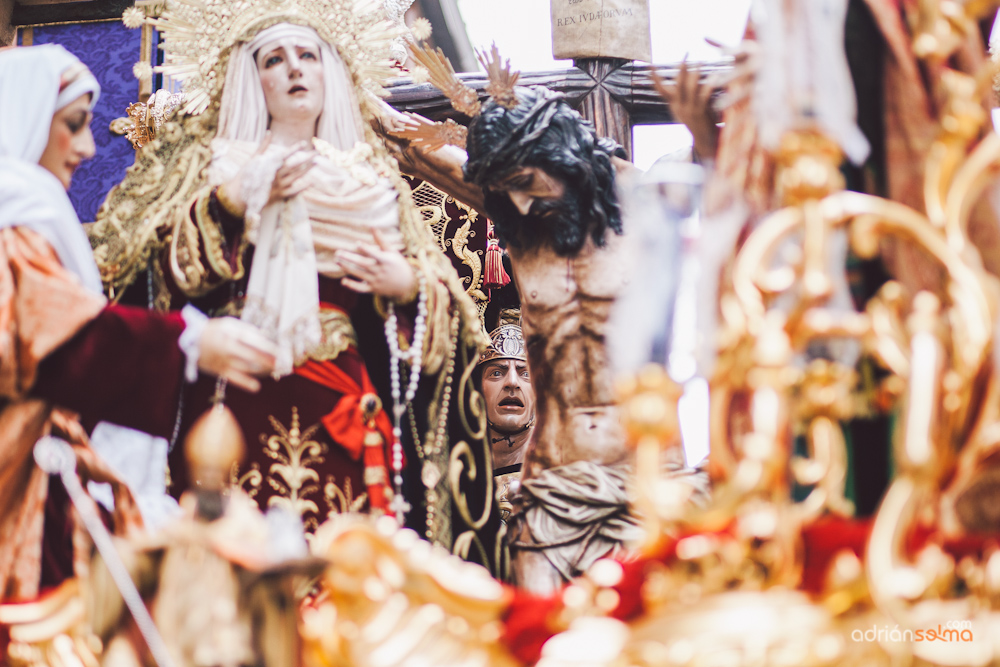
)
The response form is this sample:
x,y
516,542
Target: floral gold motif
x,y
342,501
292,474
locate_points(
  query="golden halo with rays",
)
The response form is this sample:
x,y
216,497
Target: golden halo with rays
x,y
198,37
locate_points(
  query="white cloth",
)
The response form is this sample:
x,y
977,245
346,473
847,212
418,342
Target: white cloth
x,y
282,297
804,78
195,322
296,240
282,293
140,459
30,195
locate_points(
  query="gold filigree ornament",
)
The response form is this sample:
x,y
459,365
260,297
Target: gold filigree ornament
x,y
432,204
144,120
502,79
442,76
291,475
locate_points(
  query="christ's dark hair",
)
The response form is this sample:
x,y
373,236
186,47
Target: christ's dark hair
x,y
543,131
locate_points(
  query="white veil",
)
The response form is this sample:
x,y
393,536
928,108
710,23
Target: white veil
x,y
30,195
243,113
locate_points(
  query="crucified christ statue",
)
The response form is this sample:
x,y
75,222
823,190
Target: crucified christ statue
x,y
549,185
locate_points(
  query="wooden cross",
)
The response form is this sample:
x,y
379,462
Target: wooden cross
x,y
613,94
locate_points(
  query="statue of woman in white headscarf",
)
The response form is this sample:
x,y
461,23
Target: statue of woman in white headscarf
x,y
271,196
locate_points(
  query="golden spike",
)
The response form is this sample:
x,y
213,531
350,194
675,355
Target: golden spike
x,y
502,80
433,135
443,77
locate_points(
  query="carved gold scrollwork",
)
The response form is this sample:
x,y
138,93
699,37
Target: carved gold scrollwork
x,y
463,462
432,203
389,598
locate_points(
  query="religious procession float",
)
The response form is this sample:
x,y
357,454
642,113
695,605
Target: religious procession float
x,y
360,360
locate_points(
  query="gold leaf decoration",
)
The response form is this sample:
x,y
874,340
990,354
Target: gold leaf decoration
x,y
502,79
443,77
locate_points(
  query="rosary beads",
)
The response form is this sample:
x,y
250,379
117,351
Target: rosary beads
x,y
414,357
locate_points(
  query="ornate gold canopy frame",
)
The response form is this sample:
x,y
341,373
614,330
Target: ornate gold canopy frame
x,y
717,569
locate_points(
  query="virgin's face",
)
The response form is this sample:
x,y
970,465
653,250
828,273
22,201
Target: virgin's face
x,y
70,140
291,74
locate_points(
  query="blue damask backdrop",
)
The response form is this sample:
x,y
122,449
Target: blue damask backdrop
x,y
110,50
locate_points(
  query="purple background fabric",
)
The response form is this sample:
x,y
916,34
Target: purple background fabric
x,y
110,50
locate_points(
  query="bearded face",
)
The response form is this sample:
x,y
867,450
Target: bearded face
x,y
535,207
546,177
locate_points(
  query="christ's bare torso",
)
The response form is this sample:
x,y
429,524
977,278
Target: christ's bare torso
x,y
565,306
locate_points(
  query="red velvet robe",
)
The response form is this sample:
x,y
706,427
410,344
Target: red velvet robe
x,y
305,436
62,348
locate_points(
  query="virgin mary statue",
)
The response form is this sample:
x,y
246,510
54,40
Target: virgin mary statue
x,y
270,196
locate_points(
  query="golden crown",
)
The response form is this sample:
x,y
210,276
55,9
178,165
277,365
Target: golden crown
x,y
198,37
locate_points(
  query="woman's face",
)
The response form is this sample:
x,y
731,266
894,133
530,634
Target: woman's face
x,y
70,140
291,73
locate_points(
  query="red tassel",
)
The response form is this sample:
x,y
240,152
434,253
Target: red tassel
x,y
494,275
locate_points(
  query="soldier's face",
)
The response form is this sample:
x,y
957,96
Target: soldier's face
x,y
528,185
510,400
291,74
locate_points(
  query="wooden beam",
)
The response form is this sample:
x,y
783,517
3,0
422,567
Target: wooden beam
x,y
426,100
629,85
68,12
600,107
7,31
